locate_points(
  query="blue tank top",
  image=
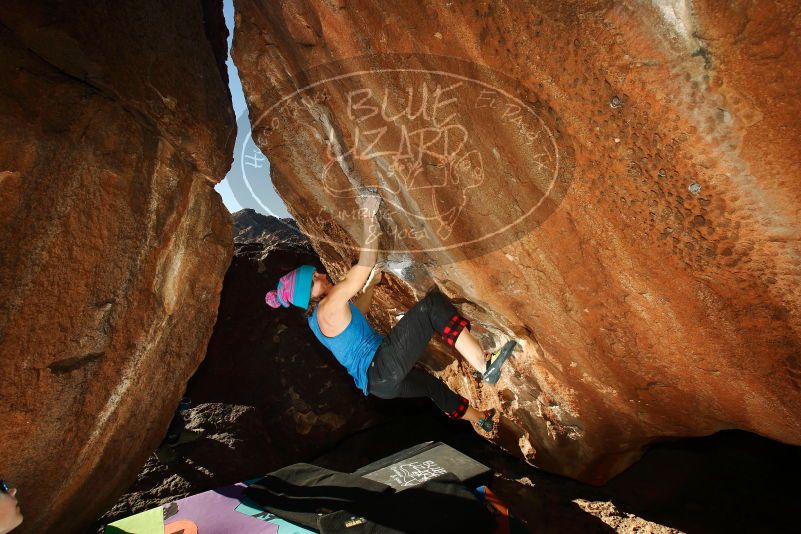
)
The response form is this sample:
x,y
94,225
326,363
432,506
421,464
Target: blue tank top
x,y
354,347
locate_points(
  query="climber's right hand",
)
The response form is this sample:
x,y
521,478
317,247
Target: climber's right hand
x,y
369,205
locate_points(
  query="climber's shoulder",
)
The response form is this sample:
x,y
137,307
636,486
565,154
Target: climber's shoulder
x,y
332,316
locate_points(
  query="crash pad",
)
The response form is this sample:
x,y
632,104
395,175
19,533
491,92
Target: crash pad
x,y
425,477
223,510
416,465
147,522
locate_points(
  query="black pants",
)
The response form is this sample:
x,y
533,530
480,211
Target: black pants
x,y
392,373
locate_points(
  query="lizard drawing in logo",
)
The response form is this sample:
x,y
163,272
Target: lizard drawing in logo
x,y
426,178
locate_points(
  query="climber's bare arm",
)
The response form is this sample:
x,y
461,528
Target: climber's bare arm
x,y
357,276
364,300
350,285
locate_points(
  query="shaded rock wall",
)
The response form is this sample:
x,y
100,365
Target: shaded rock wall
x,y
637,163
115,122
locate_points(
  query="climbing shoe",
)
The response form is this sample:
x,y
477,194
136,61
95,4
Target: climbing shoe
x,y
485,422
495,362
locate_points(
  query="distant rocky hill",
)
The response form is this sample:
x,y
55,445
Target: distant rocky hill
x,y
251,226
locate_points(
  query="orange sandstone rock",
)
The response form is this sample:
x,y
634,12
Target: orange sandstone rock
x,y
612,183
115,124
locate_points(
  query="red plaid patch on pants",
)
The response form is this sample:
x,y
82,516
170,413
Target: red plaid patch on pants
x,y
454,328
458,413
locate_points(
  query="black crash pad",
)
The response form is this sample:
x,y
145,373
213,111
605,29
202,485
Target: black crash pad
x,y
334,502
415,465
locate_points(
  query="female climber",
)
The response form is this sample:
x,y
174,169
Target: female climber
x,y
385,366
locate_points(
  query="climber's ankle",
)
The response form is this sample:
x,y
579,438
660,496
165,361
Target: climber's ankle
x,y
472,415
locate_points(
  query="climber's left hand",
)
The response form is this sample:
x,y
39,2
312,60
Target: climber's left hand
x,y
375,277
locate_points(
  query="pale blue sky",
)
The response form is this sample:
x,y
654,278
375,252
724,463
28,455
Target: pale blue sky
x,y
273,202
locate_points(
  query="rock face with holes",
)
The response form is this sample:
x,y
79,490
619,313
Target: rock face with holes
x,y
610,183
115,123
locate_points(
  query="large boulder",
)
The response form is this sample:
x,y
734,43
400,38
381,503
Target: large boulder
x,y
116,122
614,184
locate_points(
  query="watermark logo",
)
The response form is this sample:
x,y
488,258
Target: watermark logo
x,y
464,158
